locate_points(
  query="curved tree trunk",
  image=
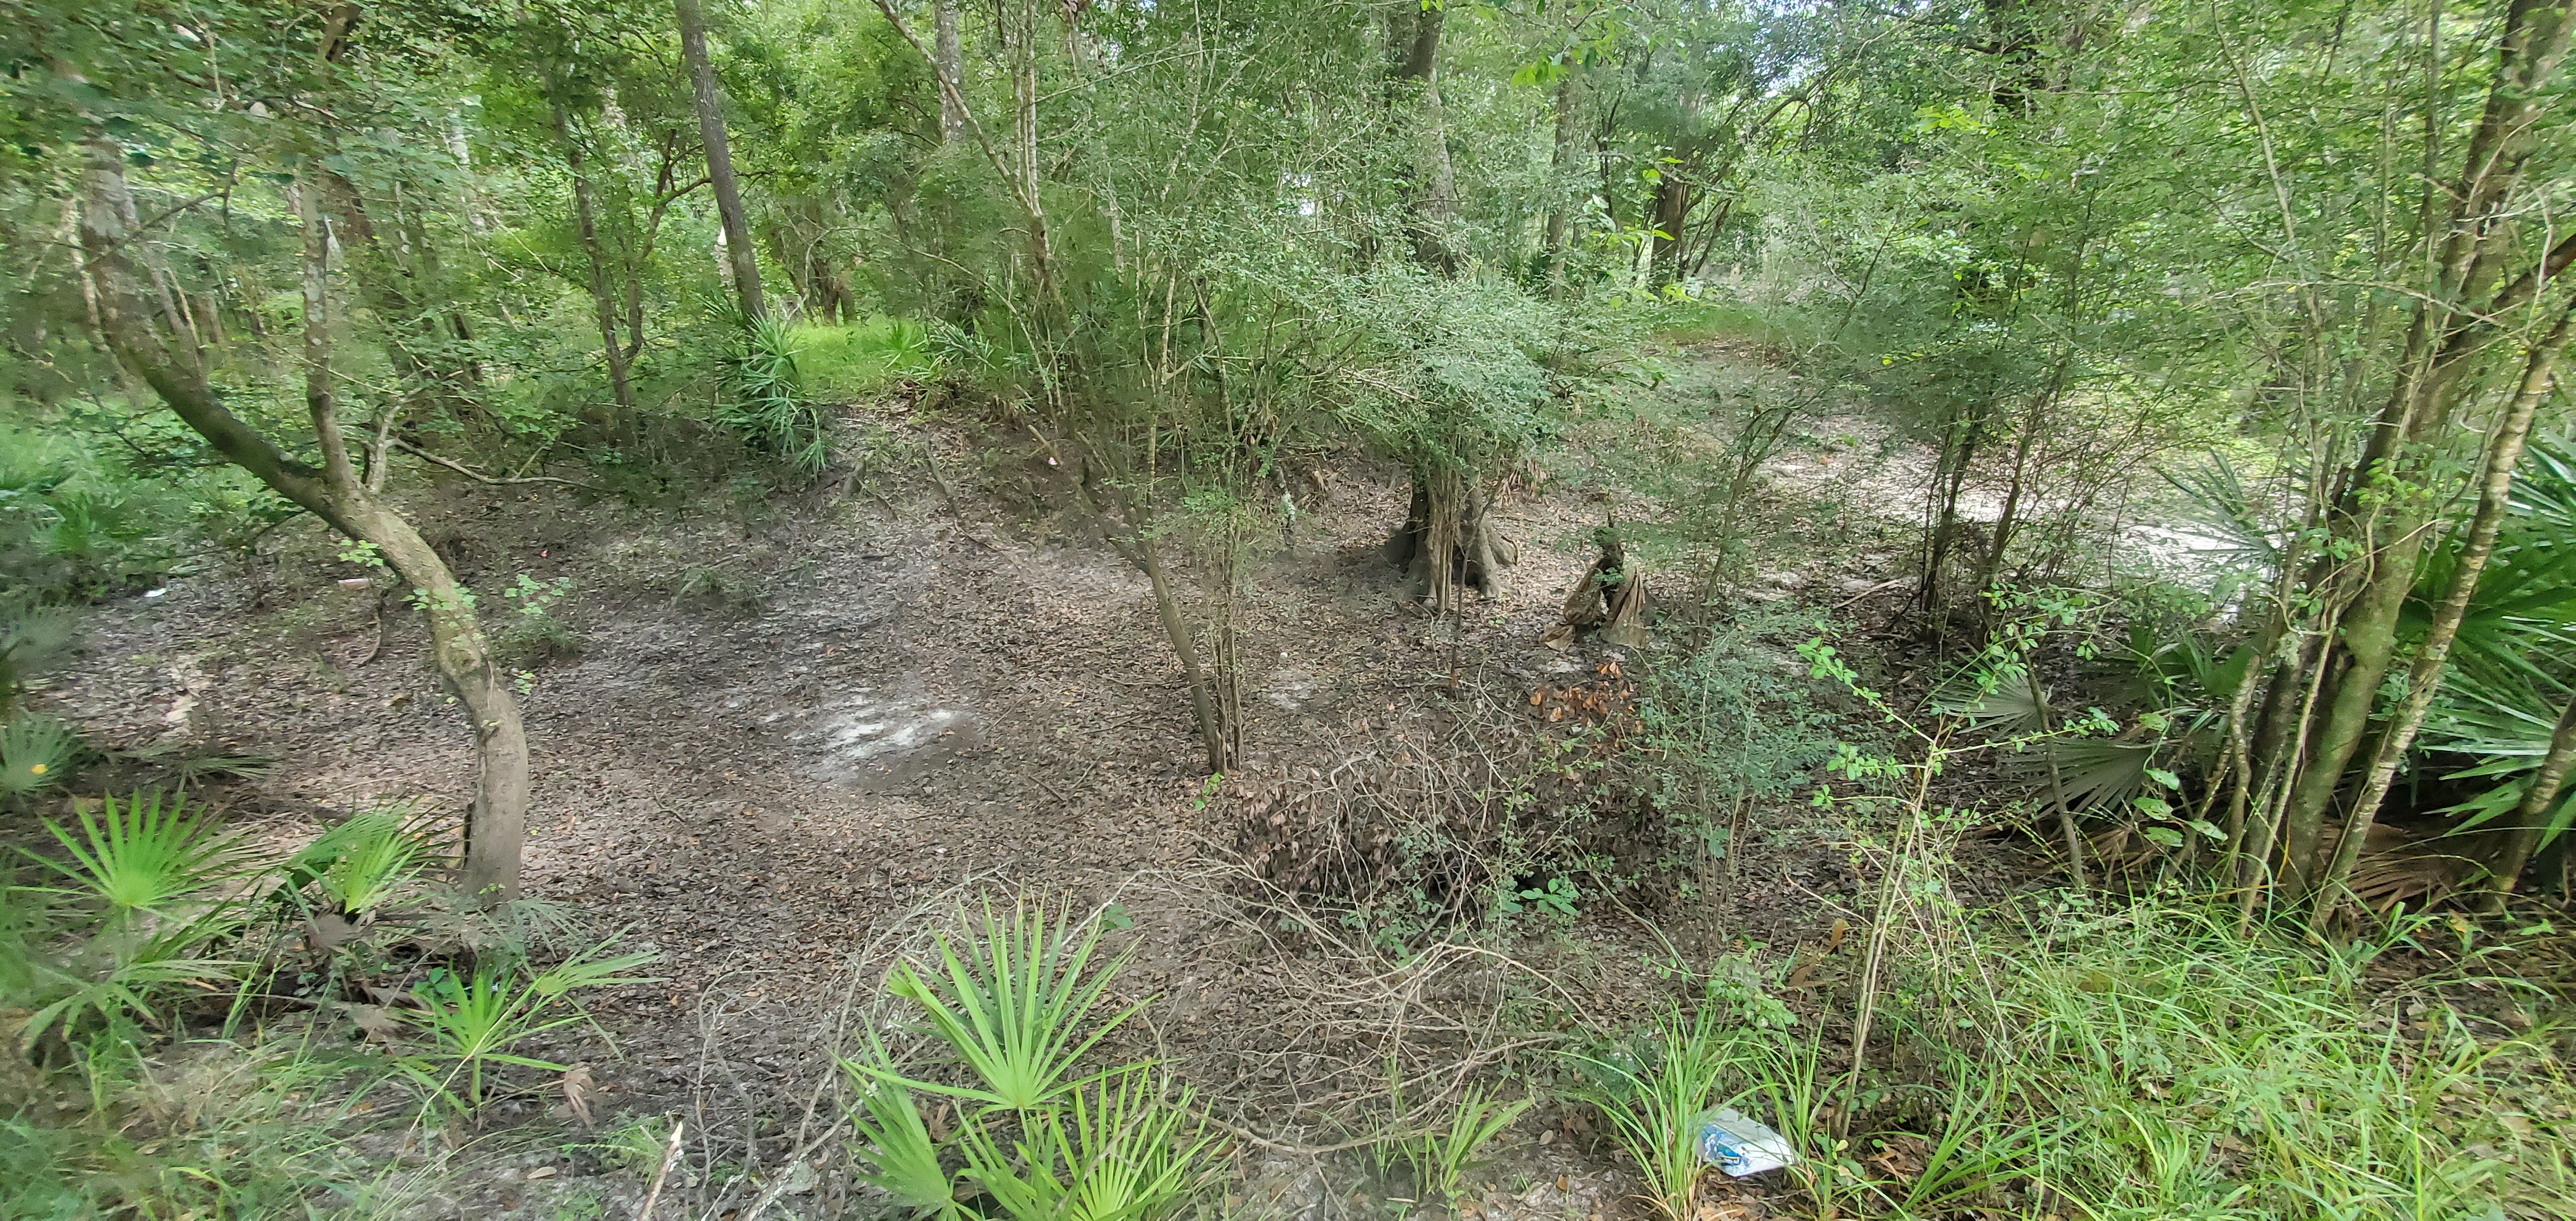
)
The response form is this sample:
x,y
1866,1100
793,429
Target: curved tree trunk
x,y
496,824
2532,814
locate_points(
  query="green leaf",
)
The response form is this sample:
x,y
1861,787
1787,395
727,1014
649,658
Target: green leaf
x,y
1013,1005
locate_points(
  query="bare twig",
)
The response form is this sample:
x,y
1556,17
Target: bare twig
x,y
478,476
384,632
670,1154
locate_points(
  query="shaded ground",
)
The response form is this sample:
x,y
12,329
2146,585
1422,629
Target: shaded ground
x,y
776,738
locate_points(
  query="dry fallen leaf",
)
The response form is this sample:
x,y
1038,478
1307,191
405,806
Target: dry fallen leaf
x,y
541,1172
577,1089
327,932
375,1022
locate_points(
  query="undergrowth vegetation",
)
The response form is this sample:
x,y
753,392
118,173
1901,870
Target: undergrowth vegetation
x,y
2065,517
1010,1006
2133,1060
200,1023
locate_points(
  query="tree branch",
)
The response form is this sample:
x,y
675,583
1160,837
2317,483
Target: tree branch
x,y
478,476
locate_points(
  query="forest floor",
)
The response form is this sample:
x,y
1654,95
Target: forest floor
x,y
793,726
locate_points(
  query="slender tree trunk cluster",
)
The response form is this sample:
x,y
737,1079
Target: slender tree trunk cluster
x,y
2324,752
595,261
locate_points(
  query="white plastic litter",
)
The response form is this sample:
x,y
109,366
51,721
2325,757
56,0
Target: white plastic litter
x,y
1740,1146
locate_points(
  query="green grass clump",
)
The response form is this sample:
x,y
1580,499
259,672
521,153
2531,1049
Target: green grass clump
x,y
844,362
1653,1092
2135,1064
2183,1071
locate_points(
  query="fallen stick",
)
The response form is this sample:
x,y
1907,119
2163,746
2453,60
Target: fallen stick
x,y
653,1195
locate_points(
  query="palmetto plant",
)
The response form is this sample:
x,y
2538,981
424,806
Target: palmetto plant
x,y
116,974
365,861
1016,1006
2523,610
900,1156
2508,681
34,752
473,1020
1122,1148
33,639
137,855
2506,721
769,406
1019,1006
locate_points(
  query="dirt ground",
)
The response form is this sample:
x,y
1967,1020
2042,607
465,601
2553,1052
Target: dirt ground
x,y
791,723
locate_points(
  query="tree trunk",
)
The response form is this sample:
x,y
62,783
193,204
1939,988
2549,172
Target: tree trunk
x,y
1569,134
497,822
1212,731
496,825
2495,500
1022,178
2444,337
1128,536
1990,569
408,325
603,301
711,132
1446,541
1672,213
2066,827
1413,37
2531,815
1950,475
951,66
